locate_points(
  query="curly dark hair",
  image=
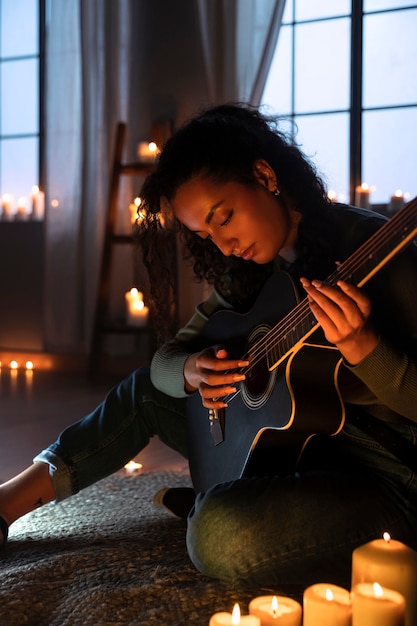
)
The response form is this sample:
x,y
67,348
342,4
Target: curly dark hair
x,y
223,143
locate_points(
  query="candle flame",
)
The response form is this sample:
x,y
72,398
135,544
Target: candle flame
x,y
236,614
138,305
386,537
14,365
274,607
329,594
29,365
378,592
133,467
152,147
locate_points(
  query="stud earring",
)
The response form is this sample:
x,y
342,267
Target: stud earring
x,y
276,192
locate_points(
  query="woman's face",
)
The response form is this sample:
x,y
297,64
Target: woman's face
x,y
249,222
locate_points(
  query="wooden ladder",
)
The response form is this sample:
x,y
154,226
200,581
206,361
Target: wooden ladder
x,y
101,326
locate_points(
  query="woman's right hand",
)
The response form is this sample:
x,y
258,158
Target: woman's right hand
x,y
213,375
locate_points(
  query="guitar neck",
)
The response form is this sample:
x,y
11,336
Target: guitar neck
x,y
357,269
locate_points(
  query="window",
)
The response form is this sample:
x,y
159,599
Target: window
x,y
346,72
20,112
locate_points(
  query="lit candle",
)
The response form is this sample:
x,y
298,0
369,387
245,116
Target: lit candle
x,y
327,605
234,619
137,312
133,468
393,565
29,377
134,210
38,203
14,366
22,209
7,211
363,196
396,201
373,605
276,611
147,151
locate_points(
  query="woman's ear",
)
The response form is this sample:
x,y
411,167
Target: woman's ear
x,y
264,174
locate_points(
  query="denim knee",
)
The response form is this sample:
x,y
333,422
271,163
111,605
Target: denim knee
x,y
219,537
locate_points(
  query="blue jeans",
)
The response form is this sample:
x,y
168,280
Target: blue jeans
x,y
105,440
257,531
302,529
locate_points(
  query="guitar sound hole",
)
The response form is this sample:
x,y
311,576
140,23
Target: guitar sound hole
x,y
258,378
259,382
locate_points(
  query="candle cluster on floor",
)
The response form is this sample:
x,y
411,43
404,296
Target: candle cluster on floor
x,y
383,593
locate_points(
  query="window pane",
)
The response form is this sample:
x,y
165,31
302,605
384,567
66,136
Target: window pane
x,y
19,97
390,157
390,58
19,167
322,77
277,92
19,21
376,5
325,140
288,12
308,10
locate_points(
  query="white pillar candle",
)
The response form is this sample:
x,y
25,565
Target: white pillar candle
x,y
234,619
393,565
363,196
7,210
373,605
276,611
326,605
396,202
38,203
22,209
147,151
136,311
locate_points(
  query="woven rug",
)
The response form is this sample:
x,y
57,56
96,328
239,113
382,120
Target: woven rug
x,y
108,556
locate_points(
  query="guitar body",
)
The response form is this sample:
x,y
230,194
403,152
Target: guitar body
x,y
268,423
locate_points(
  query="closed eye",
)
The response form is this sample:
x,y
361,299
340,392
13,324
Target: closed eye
x,y
228,218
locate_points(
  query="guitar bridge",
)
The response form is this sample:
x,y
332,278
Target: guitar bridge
x,y
216,420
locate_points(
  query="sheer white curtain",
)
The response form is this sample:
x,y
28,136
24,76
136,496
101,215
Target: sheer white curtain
x,y
94,54
238,39
87,60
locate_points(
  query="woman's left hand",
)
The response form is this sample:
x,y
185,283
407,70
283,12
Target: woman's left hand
x,y
343,312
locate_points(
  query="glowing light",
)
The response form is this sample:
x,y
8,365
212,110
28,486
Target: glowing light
x,y
133,468
329,595
236,614
14,365
378,592
386,537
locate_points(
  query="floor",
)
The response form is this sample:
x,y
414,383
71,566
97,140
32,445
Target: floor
x,y
35,406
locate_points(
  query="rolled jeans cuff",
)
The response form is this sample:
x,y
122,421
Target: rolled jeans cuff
x,y
59,473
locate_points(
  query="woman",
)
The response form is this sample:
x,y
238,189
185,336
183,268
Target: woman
x,y
248,204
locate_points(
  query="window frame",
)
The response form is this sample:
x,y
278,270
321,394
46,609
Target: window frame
x,y
355,109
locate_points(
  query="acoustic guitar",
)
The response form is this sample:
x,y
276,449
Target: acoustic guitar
x,y
290,393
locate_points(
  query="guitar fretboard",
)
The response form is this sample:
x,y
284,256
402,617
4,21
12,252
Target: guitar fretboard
x,y
358,269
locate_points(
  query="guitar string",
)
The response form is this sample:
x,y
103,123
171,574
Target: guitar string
x,y
343,272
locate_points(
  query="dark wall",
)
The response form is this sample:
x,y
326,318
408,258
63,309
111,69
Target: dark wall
x,y
21,285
